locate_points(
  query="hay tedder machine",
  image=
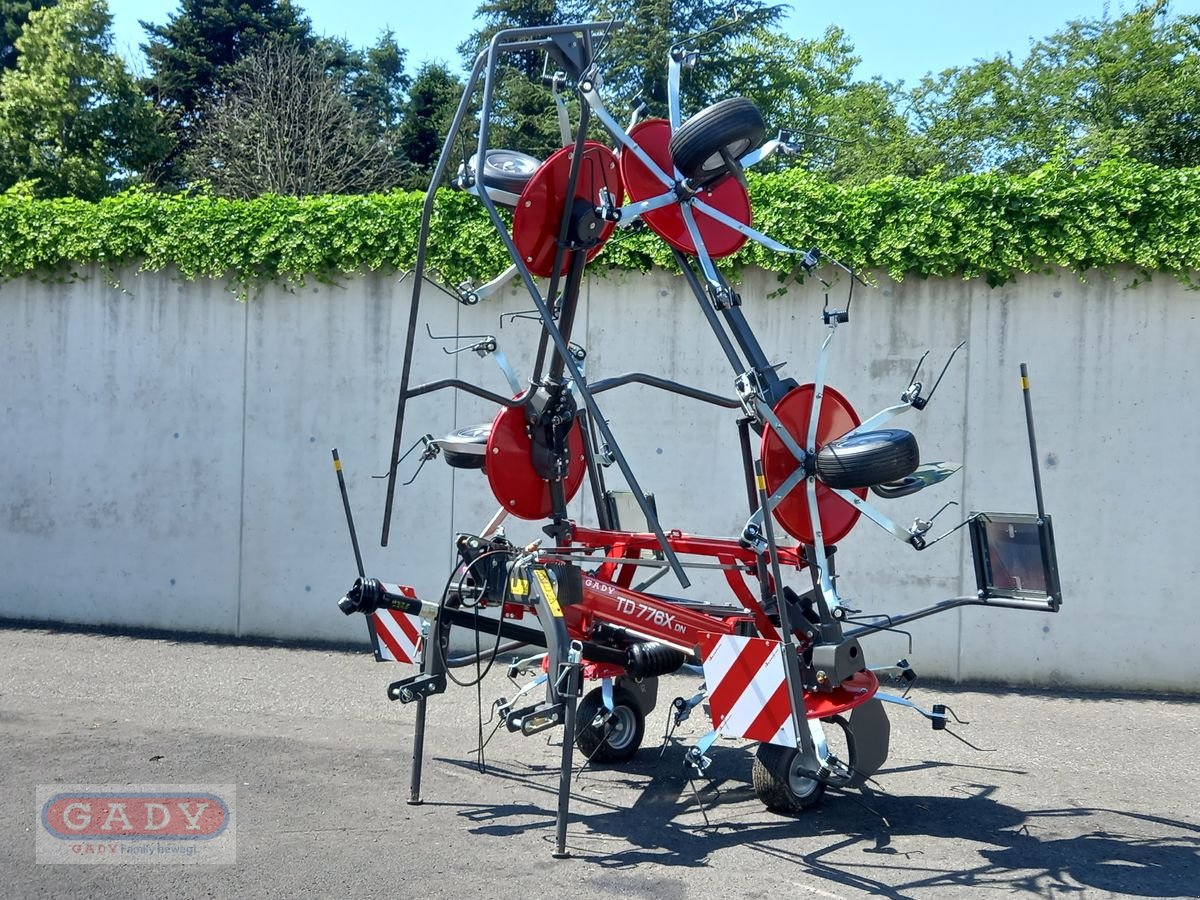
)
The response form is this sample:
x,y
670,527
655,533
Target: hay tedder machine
x,y
782,666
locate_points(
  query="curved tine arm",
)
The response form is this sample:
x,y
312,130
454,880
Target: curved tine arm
x,y
492,287
706,263
665,384
770,148
674,69
753,234
592,97
630,212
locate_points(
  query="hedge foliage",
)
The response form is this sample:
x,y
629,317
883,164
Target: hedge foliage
x,y
991,226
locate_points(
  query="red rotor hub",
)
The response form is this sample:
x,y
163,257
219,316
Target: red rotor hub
x,y
509,466
537,220
837,516
727,195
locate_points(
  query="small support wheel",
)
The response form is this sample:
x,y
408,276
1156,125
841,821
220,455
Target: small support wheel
x,y
618,736
506,170
867,459
784,786
703,146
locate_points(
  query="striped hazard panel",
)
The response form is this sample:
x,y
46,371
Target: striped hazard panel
x,y
396,636
747,688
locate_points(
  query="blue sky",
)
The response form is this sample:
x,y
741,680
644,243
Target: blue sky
x,y
899,41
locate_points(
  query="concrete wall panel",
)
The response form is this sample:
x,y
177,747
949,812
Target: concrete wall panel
x,y
169,450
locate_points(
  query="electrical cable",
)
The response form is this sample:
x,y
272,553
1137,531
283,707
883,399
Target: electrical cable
x,y
462,574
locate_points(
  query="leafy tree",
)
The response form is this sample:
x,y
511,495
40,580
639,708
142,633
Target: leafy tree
x,y
1097,88
286,126
72,119
13,16
634,61
425,121
848,129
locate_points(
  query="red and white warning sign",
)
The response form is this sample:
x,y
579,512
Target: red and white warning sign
x,y
747,688
396,636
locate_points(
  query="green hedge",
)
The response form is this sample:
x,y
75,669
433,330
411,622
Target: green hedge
x,y
990,226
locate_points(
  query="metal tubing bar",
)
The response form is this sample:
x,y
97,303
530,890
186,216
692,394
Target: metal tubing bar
x,y
892,622
432,664
702,257
884,415
570,296
551,329
746,339
743,426
709,313
439,173
567,552
674,387
458,662
570,301
1033,451
748,467
337,467
466,387
631,211
595,473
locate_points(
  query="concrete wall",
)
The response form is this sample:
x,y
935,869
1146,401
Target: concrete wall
x,y
167,451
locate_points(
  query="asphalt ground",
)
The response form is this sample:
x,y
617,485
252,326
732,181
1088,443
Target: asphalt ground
x,y
1072,795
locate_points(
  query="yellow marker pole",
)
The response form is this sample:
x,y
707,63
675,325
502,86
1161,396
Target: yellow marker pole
x,y
337,467
1033,451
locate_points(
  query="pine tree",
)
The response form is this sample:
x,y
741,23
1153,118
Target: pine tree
x,y
72,119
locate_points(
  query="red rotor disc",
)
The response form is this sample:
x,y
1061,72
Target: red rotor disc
x,y
538,217
837,417
509,467
727,195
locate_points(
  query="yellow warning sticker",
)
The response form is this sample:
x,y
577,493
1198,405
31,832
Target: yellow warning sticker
x,y
547,586
518,586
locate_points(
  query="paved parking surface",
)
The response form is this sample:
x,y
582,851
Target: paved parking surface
x,y
1072,795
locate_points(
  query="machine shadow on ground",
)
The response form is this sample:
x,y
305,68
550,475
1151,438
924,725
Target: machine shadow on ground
x,y
854,840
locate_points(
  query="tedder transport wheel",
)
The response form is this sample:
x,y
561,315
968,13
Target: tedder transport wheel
x,y
506,170
734,125
619,737
870,458
783,786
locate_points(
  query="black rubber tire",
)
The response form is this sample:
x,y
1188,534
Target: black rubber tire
x,y
619,738
467,447
506,170
780,788
869,458
734,124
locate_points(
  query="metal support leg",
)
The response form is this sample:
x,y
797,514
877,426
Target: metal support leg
x,y
569,682
431,664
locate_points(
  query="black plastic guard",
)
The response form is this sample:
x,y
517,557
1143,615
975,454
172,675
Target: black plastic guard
x,y
871,732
